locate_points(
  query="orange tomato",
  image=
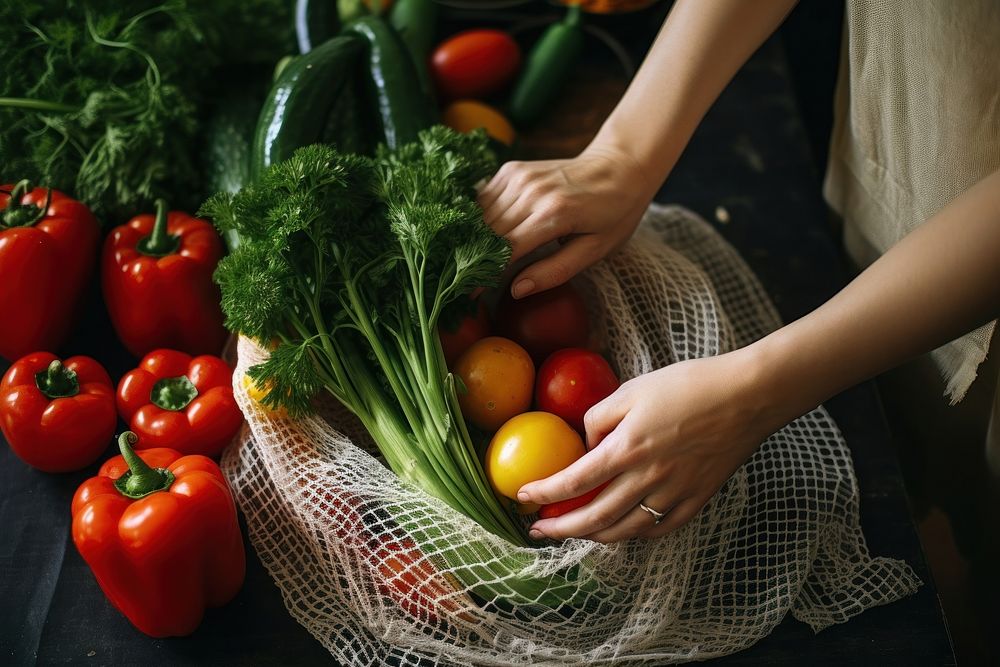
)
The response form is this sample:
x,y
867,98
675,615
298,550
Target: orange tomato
x,y
499,377
468,115
529,447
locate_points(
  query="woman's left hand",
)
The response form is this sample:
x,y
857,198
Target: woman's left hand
x,y
668,439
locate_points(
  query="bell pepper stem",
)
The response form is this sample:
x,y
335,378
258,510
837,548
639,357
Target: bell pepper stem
x,y
159,243
57,381
23,215
173,393
141,479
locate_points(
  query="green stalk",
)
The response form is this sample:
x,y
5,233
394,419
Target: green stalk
x,y
36,105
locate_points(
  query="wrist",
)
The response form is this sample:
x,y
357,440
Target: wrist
x,y
634,171
781,380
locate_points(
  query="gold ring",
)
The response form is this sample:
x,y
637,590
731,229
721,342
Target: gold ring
x,y
657,516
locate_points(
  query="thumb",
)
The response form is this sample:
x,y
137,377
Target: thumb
x,y
556,269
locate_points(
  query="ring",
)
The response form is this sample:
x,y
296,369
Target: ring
x,y
657,516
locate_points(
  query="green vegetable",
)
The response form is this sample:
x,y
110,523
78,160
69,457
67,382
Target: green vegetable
x,y
547,68
102,98
403,107
296,110
315,22
350,262
416,23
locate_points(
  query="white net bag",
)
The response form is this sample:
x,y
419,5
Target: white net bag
x,y
382,573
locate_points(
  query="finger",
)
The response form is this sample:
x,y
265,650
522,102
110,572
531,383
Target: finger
x,y
590,470
605,510
604,417
633,523
558,268
679,515
537,229
489,192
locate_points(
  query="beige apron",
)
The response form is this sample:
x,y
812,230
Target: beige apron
x,y
917,122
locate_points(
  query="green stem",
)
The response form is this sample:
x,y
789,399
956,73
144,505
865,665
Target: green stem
x,y
141,479
36,105
159,243
57,381
23,215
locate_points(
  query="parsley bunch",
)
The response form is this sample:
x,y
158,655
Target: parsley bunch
x,y
349,262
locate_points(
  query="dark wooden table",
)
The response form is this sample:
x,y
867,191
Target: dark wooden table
x,y
750,158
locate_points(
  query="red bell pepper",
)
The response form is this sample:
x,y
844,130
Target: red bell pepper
x,y
48,245
57,415
156,273
163,542
184,403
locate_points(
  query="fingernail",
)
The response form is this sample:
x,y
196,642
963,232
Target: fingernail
x,y
523,497
535,534
522,288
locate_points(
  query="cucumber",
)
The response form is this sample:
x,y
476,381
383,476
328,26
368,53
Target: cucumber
x,y
393,86
297,108
416,23
547,68
315,22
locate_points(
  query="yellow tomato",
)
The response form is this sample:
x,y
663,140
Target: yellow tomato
x,y
257,395
468,115
529,447
499,377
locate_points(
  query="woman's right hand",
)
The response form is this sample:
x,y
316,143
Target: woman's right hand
x,y
591,203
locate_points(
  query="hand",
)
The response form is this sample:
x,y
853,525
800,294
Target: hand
x,y
594,202
668,439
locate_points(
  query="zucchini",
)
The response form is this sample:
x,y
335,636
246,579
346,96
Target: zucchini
x,y
393,86
416,23
296,110
547,68
315,22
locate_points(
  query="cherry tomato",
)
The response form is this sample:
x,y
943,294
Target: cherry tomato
x,y
499,378
553,510
471,328
545,322
572,381
529,447
475,63
468,115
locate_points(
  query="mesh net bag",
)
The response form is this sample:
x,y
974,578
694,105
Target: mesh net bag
x,y
382,573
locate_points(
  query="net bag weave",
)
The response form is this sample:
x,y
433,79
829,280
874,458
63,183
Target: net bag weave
x,y
382,573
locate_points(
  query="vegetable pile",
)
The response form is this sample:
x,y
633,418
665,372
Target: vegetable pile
x,y
349,262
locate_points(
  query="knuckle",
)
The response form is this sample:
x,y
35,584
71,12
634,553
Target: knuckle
x,y
601,518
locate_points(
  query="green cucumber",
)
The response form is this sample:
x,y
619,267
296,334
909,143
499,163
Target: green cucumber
x,y
296,110
315,22
547,69
394,88
416,23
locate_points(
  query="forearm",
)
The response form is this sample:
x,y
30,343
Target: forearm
x,y
698,50
940,281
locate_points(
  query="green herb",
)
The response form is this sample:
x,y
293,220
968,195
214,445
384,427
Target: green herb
x,y
104,99
350,261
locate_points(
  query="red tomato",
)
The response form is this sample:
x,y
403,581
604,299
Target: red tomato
x,y
545,322
475,63
473,327
572,381
564,506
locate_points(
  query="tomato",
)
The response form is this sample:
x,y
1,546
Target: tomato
x,y
545,322
470,329
468,115
572,381
529,447
499,378
475,63
553,510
